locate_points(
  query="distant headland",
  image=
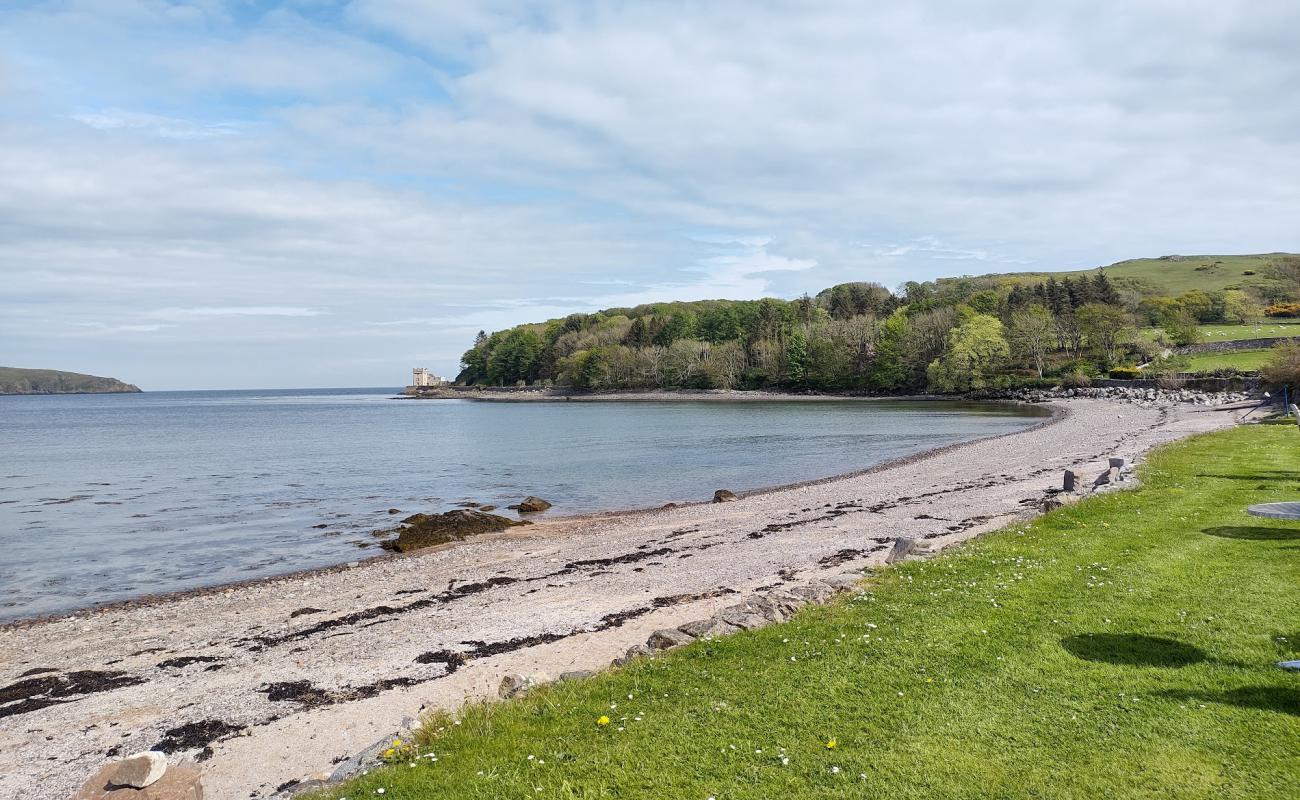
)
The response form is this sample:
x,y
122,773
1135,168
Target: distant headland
x,y
15,380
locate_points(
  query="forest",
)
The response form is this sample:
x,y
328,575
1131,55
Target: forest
x,y
948,335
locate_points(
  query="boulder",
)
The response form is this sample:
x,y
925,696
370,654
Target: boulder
x,y
177,783
428,530
514,685
635,651
814,592
1068,483
666,638
845,582
576,674
724,496
394,511
710,628
139,770
531,505
786,602
902,547
742,618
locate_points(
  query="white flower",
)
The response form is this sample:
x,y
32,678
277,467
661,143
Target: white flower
x,y
835,770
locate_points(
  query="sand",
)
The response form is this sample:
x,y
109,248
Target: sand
x,y
274,681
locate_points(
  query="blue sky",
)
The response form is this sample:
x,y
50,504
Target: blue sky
x,y
228,193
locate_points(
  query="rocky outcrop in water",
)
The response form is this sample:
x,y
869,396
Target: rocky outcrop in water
x,y
427,530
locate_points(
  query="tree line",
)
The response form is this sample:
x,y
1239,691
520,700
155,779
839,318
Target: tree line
x,y
949,335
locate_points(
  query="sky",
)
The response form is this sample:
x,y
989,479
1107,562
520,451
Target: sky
x,y
249,194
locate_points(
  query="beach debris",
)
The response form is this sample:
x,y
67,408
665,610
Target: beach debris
x,y
724,496
177,783
427,530
531,505
667,638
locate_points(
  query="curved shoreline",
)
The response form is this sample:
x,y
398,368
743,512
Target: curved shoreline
x,y
1055,414
290,676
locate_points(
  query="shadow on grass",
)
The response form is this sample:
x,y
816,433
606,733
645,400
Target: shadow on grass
x,y
1258,698
1132,650
1256,532
1284,475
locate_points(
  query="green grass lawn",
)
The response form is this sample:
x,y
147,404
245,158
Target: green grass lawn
x,y
1242,360
1123,647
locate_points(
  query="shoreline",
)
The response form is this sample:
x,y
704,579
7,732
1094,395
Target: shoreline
x,y
490,394
283,679
1053,415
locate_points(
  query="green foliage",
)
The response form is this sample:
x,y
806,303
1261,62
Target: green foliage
x,y
975,354
1283,366
1125,373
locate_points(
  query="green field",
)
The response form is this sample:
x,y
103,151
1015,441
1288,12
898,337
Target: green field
x,y
1177,274
1234,333
1123,647
1243,360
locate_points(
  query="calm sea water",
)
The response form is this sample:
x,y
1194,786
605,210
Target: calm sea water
x,y
106,497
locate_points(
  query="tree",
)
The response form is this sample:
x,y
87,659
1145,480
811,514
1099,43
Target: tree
x,y
975,353
1238,308
1180,325
1283,367
796,353
1031,334
1107,329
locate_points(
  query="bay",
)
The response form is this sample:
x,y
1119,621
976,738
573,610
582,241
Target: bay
x,y
110,497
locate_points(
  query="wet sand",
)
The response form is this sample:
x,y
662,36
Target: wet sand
x,y
269,682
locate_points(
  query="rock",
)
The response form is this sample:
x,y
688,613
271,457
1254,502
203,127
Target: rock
x,y
355,763
814,592
724,496
394,511
1117,462
487,508
139,770
1050,504
428,530
759,606
514,685
667,506
531,505
635,651
902,547
178,783
576,674
786,602
666,638
742,618
845,582
1069,481
710,628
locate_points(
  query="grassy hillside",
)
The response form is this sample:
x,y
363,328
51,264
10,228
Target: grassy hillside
x,y
1124,647
15,380
1173,275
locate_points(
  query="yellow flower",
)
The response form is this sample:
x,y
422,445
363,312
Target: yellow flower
x,y
831,744
397,743
603,721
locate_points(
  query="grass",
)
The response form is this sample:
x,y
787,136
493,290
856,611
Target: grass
x,y
1235,333
1161,276
1123,647
1242,360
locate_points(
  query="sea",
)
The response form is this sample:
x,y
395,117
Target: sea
x,y
110,497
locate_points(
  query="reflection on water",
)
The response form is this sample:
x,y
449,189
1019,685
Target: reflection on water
x,y
105,497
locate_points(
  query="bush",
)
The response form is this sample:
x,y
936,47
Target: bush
x,y
1126,373
1283,310
1283,367
1076,380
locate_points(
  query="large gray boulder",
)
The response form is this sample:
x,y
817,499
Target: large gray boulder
x,y
710,628
667,638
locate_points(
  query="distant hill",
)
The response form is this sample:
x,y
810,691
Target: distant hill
x,y
1173,275
14,380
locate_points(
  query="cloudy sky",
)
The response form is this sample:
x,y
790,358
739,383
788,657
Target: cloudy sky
x,y
238,193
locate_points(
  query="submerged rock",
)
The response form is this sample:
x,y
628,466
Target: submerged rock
x,y
531,505
428,530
